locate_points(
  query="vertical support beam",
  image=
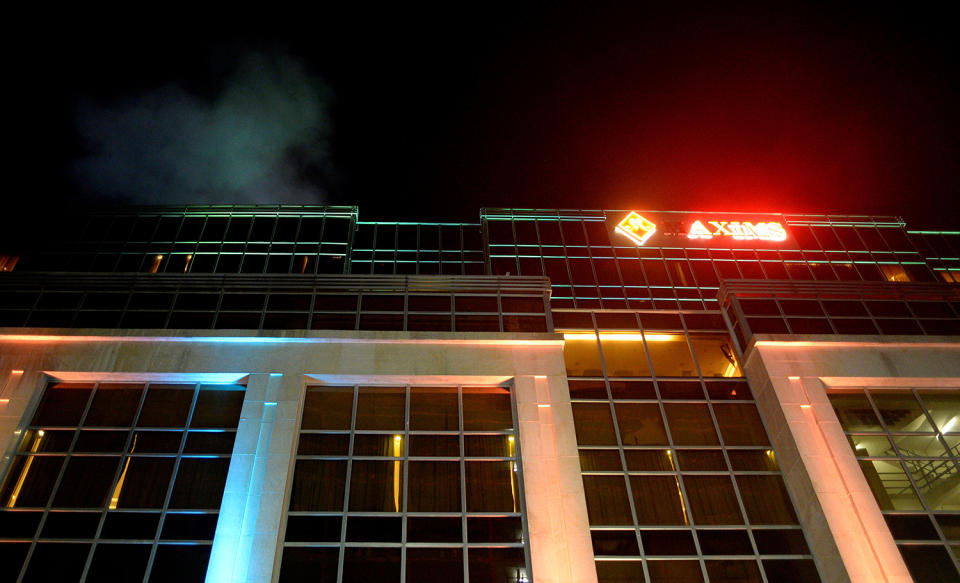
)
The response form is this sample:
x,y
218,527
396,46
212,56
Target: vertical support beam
x,y
560,547
248,531
845,528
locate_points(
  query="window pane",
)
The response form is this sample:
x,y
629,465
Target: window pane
x,y
890,485
435,445
434,564
701,459
199,483
145,483
854,412
944,407
690,424
765,499
486,408
715,355
582,356
378,445
686,571
901,412
318,485
491,487
607,503
434,487
640,424
112,562
624,358
62,404
327,408
712,500
381,408
114,405
376,486
86,482
181,563
615,543
494,529
30,480
434,408
166,406
218,406
657,500
619,571
730,571
593,424
740,424
670,355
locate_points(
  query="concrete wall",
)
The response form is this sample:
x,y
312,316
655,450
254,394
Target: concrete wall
x,y
276,369
790,377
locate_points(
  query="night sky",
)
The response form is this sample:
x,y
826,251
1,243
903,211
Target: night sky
x,y
432,113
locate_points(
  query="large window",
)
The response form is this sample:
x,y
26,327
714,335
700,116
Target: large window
x,y
118,482
680,479
406,484
907,443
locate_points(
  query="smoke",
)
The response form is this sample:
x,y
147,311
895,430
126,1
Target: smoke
x,y
262,139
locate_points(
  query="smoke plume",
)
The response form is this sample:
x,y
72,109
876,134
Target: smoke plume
x,y
261,139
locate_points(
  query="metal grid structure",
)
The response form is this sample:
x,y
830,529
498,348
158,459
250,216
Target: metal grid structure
x,y
209,239
118,482
756,307
417,248
591,268
461,429
907,442
318,302
680,478
941,251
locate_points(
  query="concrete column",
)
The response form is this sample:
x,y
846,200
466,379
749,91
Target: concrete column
x,y
561,550
248,531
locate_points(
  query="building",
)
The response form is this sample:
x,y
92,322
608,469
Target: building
x,y
234,393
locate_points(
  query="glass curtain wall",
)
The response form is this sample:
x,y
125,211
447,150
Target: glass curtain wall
x,y
406,484
681,481
118,482
907,442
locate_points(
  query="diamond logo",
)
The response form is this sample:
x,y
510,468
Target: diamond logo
x,y
636,228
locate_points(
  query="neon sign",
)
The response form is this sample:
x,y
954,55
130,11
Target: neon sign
x,y
636,228
742,231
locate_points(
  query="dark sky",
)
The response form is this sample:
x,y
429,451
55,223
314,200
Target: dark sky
x,y
427,113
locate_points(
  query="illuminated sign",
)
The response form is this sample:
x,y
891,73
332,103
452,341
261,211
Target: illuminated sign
x,y
714,229
743,231
636,228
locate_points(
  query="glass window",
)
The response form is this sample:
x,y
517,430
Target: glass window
x,y
715,355
607,503
640,424
670,355
657,500
712,499
131,490
740,424
582,355
690,424
391,471
624,355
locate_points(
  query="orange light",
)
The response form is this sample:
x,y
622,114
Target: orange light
x,y
741,231
636,228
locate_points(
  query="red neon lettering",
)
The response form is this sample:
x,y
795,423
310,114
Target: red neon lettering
x,y
698,231
721,228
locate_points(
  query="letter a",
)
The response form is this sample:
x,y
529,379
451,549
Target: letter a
x,y
698,231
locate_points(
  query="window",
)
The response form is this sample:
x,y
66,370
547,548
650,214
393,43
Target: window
x,y
123,480
425,477
907,442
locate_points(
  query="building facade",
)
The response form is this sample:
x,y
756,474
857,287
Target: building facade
x,y
234,393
